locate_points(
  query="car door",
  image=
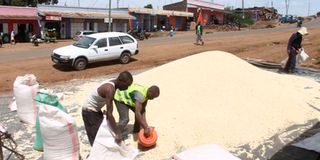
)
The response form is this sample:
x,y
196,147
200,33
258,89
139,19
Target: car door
x,y
100,50
128,43
115,47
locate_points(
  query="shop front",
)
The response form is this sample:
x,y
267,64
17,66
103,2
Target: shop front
x,y
23,21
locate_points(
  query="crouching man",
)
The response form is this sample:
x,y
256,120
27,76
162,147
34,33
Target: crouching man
x,y
134,98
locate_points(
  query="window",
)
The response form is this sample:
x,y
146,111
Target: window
x,y
126,39
102,43
84,42
114,41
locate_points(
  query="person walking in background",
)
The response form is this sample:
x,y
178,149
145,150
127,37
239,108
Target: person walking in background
x,y
171,32
134,98
13,41
92,114
293,48
199,31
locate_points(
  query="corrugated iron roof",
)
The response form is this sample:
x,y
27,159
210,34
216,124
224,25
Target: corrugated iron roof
x,y
13,12
200,3
160,12
88,15
79,12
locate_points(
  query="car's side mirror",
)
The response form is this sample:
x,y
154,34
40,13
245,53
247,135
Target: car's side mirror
x,y
94,47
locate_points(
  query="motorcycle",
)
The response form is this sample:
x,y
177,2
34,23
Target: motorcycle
x,y
140,36
35,40
299,23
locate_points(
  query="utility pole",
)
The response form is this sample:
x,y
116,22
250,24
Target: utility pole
x,y
109,23
287,6
78,3
118,3
309,8
242,9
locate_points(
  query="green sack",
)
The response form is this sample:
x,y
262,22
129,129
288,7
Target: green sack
x,y
44,99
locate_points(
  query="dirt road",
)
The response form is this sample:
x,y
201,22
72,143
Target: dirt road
x,y
267,45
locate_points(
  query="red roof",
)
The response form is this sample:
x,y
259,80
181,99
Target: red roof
x,y
10,12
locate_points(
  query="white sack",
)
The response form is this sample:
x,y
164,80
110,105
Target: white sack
x,y
59,133
302,56
24,90
205,152
105,148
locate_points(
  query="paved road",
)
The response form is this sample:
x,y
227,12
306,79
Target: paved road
x,y
46,52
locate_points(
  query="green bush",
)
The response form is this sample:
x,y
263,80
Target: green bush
x,y
236,18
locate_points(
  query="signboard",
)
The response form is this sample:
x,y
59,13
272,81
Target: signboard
x,y
106,20
53,18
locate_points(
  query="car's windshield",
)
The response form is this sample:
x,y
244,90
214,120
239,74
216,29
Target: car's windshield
x,y
84,42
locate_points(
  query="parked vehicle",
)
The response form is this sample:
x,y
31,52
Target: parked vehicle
x,y
288,19
80,34
139,35
34,40
97,47
5,38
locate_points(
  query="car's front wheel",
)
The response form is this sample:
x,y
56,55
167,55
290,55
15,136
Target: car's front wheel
x,y
125,58
80,64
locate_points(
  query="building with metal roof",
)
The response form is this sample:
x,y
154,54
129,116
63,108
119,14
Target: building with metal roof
x,y
210,12
156,19
69,20
22,20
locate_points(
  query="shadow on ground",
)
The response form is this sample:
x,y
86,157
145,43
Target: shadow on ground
x,y
66,68
290,152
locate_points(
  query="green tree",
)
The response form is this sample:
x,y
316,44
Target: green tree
x,y
236,18
28,2
148,6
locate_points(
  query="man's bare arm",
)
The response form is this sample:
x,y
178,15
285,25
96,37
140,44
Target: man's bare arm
x,y
140,117
110,117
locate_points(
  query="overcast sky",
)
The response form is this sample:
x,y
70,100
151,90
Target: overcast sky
x,y
296,7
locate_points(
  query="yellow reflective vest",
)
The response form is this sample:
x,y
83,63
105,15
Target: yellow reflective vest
x,y
125,96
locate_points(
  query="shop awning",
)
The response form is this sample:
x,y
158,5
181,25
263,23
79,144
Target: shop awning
x,y
86,15
25,13
160,12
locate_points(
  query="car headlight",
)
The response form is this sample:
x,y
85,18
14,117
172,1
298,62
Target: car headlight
x,y
65,57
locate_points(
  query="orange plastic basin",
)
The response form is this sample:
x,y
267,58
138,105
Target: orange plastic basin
x,y
147,141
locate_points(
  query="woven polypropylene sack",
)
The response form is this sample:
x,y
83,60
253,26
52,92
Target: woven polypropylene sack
x,y
59,133
44,99
24,89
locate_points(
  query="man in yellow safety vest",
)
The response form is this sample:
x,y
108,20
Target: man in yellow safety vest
x,y
134,98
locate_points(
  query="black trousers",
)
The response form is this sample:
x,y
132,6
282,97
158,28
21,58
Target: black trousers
x,y
123,111
92,121
291,63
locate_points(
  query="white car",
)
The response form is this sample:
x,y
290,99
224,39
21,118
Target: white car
x,y
80,34
97,47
